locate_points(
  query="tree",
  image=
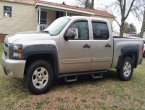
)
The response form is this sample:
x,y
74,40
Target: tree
x,y
92,4
124,8
129,28
132,29
143,25
86,3
126,26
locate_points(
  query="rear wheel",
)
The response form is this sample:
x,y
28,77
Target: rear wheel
x,y
39,77
126,69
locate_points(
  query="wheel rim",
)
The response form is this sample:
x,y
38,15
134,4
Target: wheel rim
x,y
127,69
40,77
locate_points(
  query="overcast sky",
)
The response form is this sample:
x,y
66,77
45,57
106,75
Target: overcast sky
x,y
99,4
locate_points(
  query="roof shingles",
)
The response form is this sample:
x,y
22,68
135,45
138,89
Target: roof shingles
x,y
96,12
21,1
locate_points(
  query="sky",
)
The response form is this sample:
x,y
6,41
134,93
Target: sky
x,y
101,3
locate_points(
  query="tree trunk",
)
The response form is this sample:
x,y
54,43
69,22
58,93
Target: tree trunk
x,y
87,3
143,25
92,4
122,28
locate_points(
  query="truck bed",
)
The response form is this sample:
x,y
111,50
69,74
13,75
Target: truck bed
x,y
125,42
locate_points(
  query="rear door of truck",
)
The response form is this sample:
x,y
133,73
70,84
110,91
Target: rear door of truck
x,y
102,45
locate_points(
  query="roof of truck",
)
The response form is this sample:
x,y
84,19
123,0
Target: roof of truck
x,y
85,17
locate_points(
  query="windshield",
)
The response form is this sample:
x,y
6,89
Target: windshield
x,y
57,26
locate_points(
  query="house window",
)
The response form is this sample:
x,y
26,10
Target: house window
x,y
59,14
7,11
43,19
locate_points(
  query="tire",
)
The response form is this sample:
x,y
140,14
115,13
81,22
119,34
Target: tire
x,y
39,77
126,70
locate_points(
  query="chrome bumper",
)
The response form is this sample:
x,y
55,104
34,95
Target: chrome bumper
x,y
13,68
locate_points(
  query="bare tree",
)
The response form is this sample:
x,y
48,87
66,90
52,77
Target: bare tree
x,y
143,25
124,13
92,4
81,3
123,8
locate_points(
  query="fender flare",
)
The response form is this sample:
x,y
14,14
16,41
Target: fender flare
x,y
42,49
129,51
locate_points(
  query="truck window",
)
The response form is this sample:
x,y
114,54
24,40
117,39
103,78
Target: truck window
x,y
57,26
81,29
100,30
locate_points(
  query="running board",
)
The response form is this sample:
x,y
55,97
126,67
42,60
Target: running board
x,y
81,73
70,79
97,75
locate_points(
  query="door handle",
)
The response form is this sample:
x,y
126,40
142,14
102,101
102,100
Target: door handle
x,y
86,46
107,45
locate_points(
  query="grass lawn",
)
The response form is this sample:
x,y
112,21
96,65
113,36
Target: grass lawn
x,y
105,94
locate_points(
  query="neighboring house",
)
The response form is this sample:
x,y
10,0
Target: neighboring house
x,y
32,15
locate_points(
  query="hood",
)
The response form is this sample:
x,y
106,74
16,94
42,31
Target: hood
x,y
26,36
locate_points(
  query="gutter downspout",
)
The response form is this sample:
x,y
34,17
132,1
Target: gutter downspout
x,y
66,14
39,18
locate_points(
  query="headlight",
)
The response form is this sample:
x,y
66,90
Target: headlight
x,y
16,51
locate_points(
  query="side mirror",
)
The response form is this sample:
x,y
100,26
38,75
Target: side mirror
x,y
70,34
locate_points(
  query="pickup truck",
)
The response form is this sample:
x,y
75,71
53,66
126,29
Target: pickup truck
x,y
69,47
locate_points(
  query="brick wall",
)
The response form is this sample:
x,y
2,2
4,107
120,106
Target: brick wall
x,y
2,37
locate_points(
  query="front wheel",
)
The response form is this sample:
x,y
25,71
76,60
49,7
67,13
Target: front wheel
x,y
126,69
39,77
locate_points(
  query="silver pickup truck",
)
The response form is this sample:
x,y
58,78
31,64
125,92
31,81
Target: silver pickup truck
x,y
69,47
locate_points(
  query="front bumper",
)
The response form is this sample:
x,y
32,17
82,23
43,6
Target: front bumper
x,y
13,68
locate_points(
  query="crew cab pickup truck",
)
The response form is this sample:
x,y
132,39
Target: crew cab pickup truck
x,y
70,46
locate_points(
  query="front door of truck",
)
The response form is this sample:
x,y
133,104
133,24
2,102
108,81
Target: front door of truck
x,y
102,46
76,53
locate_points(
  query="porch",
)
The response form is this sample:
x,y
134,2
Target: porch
x,y
47,13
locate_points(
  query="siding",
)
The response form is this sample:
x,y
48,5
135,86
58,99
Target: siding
x,y
24,18
51,16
